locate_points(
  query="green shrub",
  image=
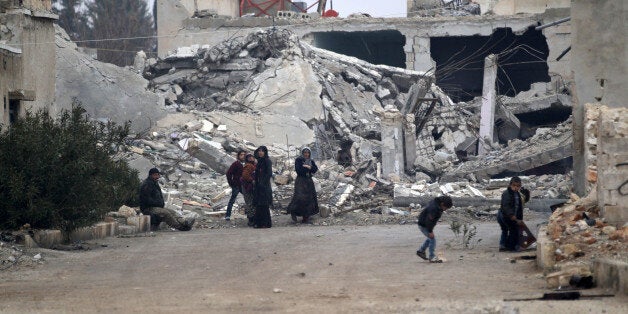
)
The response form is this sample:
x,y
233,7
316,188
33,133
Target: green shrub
x,y
60,173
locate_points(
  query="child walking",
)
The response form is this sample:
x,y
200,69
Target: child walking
x,y
427,221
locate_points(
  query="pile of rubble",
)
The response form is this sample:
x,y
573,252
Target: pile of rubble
x,y
580,237
444,8
269,88
12,256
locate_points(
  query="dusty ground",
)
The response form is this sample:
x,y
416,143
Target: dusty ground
x,y
285,269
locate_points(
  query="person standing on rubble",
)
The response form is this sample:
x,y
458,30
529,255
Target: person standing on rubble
x,y
263,193
427,221
247,183
233,178
152,204
304,201
510,215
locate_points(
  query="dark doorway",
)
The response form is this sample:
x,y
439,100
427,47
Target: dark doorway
x,y
14,110
377,47
522,60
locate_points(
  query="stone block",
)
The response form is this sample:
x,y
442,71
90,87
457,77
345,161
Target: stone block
x,y
545,250
141,222
82,234
611,274
127,230
26,240
105,229
48,238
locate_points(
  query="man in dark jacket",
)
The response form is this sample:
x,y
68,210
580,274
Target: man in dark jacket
x,y
233,178
152,204
510,215
427,221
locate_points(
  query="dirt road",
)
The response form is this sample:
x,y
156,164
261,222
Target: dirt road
x,y
285,269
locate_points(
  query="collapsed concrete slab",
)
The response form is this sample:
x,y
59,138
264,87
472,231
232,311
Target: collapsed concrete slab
x,y
269,128
209,152
106,91
545,147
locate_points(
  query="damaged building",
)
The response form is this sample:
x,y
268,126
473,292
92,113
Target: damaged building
x,y
27,57
444,48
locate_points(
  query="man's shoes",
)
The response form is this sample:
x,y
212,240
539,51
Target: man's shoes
x,y
421,254
251,223
436,260
294,217
186,224
227,218
503,249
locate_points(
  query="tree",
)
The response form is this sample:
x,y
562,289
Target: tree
x,y
60,173
71,18
121,28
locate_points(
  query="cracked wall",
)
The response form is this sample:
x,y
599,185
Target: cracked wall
x,y
599,62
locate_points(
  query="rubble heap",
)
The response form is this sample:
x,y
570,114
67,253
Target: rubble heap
x,y
269,88
546,146
580,237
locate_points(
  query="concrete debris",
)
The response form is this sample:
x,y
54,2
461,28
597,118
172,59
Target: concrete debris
x,y
106,91
578,235
545,147
234,96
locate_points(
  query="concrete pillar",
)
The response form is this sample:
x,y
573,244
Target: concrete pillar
x,y
422,57
599,65
612,165
487,113
409,136
392,142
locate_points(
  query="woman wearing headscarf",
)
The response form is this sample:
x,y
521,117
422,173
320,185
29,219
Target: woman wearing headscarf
x,y
263,195
304,201
247,181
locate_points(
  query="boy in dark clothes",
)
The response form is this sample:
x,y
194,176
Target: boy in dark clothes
x,y
427,221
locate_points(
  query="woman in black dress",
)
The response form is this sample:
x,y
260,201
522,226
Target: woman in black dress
x,y
263,195
304,201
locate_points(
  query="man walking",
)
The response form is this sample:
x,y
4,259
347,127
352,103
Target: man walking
x,y
233,178
152,204
427,221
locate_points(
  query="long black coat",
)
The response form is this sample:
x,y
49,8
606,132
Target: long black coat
x,y
263,195
304,200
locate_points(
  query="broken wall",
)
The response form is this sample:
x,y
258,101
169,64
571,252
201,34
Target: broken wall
x,y
10,78
33,31
416,33
172,13
599,63
512,7
106,91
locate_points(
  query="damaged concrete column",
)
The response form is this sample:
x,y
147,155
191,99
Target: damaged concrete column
x,y
612,165
392,142
409,136
487,113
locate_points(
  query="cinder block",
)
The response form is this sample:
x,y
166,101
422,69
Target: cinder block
x,y
48,238
105,229
141,222
611,274
26,240
82,234
127,230
545,250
